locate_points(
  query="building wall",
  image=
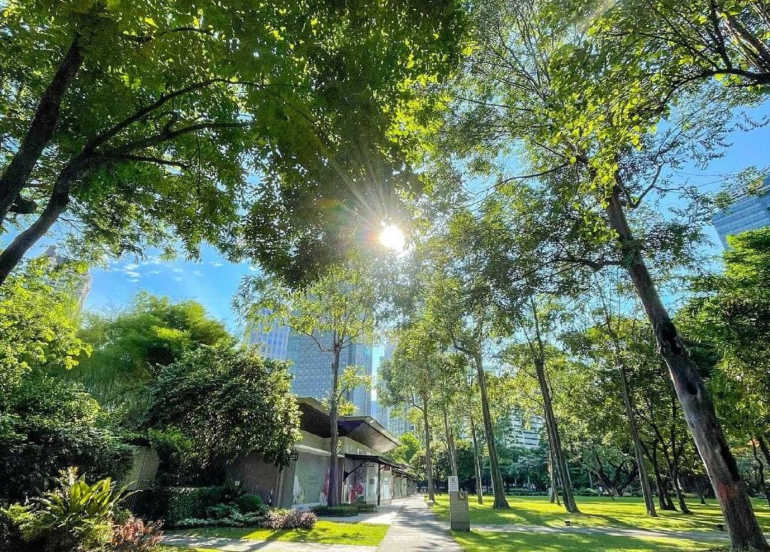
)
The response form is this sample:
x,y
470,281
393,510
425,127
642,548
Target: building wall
x,y
525,433
746,213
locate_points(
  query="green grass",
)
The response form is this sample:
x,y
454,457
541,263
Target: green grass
x,y
626,512
487,541
326,532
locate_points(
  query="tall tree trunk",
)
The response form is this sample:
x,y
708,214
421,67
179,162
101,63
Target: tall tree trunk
x,y
494,465
557,453
649,503
428,453
745,533
477,462
450,442
664,500
554,494
332,495
761,473
43,125
763,447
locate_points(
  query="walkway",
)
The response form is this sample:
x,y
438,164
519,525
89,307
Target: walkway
x,y
417,529
245,545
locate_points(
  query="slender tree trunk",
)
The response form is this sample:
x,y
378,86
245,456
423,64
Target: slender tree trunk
x,y
761,473
663,497
450,442
763,447
745,533
43,125
489,433
56,205
554,494
674,474
332,496
428,453
557,453
477,462
649,502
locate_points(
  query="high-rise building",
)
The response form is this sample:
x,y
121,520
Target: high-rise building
x,y
524,433
312,373
272,344
747,212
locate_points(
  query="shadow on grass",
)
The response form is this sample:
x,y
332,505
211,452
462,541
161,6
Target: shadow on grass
x,y
528,542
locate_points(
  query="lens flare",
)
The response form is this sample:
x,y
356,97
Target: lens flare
x,y
392,238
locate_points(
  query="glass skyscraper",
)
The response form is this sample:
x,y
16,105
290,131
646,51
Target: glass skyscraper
x,y
748,212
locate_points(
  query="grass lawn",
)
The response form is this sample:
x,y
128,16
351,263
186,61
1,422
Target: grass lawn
x,y
625,512
486,541
327,532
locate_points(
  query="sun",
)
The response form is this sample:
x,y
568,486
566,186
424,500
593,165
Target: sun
x,y
392,237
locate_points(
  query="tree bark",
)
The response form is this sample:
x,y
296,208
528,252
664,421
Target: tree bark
x,y
57,203
332,495
649,503
43,125
477,463
450,442
553,496
428,454
494,466
560,463
745,533
761,473
663,498
763,447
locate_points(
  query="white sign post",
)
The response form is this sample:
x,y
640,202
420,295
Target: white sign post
x,y
459,517
454,484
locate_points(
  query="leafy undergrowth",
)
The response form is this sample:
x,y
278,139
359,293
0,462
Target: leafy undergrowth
x,y
326,532
625,512
488,541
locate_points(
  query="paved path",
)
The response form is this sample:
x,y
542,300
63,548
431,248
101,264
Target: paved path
x,y
417,529
246,545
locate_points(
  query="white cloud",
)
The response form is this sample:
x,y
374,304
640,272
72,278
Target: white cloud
x,y
253,268
178,278
177,270
131,266
132,274
216,264
197,273
154,272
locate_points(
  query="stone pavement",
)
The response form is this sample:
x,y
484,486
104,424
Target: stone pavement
x,y
246,545
416,529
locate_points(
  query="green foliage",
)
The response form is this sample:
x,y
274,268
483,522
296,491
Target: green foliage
x,y
50,424
250,503
75,516
130,348
247,408
731,316
39,322
165,108
406,451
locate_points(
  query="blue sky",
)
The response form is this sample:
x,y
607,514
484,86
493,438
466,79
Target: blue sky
x,y
213,280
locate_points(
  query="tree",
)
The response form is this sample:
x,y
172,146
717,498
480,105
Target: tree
x,y
39,316
143,121
335,311
599,151
47,423
409,378
228,403
130,348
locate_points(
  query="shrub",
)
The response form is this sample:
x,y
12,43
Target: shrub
x,y
75,516
236,519
221,511
250,503
290,519
343,510
134,535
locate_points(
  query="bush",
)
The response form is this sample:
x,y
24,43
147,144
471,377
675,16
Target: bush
x,y
250,503
134,535
236,519
343,510
75,516
290,519
10,536
587,492
194,502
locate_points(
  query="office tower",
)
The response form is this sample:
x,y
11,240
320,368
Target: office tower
x,y
747,212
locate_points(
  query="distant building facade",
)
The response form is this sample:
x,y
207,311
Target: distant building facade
x,y
747,212
525,433
272,344
311,369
